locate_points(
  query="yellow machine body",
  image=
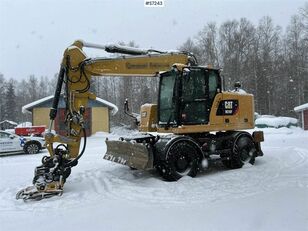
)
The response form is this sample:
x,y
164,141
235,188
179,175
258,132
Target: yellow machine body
x,y
242,119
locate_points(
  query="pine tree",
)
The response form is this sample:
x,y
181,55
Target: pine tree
x,y
2,97
10,102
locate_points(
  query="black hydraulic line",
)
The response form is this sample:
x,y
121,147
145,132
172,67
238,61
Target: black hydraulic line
x,y
74,162
82,71
55,103
126,111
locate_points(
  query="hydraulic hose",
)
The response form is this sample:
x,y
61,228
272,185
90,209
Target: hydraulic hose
x,y
55,103
74,162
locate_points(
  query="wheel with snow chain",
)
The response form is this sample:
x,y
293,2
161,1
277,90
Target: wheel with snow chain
x,y
243,152
32,147
182,159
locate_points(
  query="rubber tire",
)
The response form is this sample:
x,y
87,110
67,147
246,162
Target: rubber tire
x,y
32,147
243,145
168,168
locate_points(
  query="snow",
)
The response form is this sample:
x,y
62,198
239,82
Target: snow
x,y
301,107
240,91
24,124
276,122
127,48
102,195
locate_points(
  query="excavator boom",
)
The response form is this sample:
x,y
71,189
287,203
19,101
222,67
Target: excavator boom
x,y
75,73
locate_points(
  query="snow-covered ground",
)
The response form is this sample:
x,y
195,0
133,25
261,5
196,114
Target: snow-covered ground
x,y
101,195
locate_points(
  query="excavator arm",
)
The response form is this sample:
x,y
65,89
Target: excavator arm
x,y
74,81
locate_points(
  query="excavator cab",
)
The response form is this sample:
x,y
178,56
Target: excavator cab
x,y
186,97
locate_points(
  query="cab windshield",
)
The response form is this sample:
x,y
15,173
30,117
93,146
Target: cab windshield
x,y
187,97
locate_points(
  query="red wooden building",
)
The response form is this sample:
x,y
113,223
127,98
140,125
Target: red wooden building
x,y
303,110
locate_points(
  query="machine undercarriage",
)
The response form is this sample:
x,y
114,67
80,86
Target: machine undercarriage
x,y
177,155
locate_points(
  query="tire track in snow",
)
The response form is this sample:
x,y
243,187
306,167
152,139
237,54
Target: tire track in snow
x,y
289,169
270,173
145,187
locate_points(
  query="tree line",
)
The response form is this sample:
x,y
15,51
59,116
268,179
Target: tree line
x,y
15,94
271,62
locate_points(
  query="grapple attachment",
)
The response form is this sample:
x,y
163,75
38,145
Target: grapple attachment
x,y
129,152
49,178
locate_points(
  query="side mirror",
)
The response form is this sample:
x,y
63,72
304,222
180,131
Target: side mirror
x,y
12,136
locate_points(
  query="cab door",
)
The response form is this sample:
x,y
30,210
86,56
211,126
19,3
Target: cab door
x,y
199,88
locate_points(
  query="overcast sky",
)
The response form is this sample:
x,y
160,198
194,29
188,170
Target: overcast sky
x,y
34,33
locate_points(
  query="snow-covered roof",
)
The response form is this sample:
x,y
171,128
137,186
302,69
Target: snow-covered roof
x,y
8,121
301,107
26,108
114,107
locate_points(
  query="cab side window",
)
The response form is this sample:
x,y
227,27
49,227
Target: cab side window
x,y
212,85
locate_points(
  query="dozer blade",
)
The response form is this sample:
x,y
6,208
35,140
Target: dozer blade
x,y
134,155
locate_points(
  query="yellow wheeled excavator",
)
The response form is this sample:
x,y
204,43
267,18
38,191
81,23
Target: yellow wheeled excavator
x,y
195,121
